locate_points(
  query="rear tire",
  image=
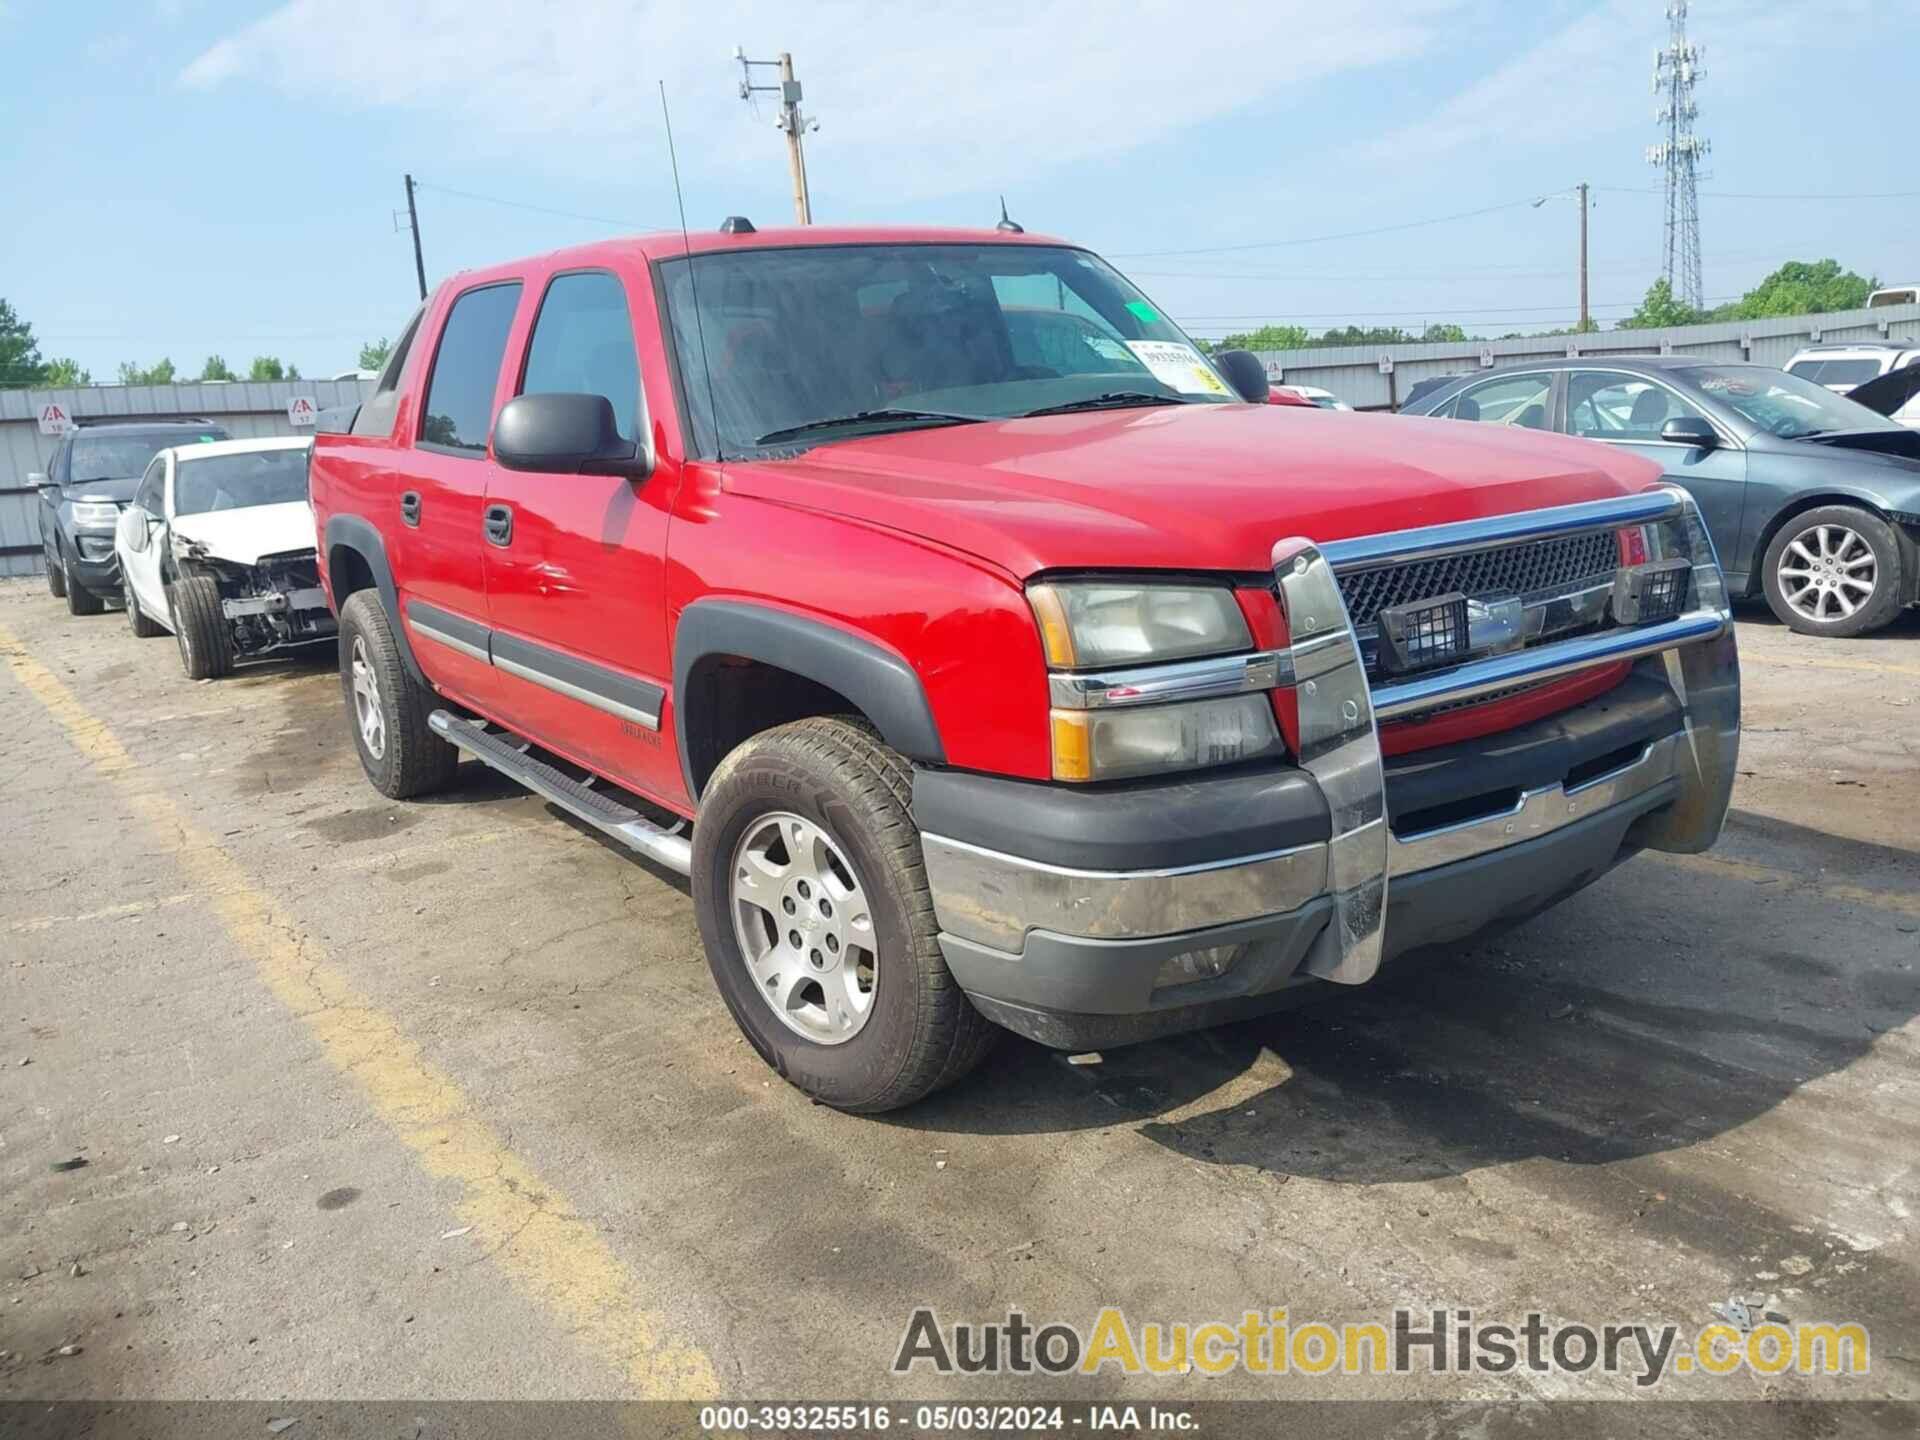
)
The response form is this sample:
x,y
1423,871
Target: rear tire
x,y
56,576
206,649
830,780
387,708
1834,571
143,628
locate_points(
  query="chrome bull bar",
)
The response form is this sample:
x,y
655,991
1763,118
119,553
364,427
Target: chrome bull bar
x,y
1340,713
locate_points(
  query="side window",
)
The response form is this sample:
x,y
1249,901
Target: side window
x,y
583,345
466,367
150,496
1522,400
57,467
1602,406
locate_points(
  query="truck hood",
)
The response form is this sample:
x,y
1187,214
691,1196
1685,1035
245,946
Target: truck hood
x,y
243,536
1191,487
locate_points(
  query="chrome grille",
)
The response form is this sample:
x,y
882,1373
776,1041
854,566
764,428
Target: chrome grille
x,y
1562,562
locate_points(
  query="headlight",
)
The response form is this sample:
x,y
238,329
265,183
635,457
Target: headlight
x,y
1086,623
95,512
1155,739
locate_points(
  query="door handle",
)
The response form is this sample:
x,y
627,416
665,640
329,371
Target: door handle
x,y
499,525
410,507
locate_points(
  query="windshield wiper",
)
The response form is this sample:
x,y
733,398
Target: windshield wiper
x,y
867,417
1109,400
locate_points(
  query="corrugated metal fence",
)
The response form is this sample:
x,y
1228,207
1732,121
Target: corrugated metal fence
x,y
1357,374
245,409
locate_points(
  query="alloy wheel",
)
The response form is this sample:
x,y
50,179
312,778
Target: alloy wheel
x,y
1828,572
367,713
804,925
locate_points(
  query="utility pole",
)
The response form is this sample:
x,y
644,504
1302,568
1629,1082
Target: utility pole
x,y
1586,316
413,224
792,123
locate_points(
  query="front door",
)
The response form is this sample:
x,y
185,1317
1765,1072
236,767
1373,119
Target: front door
x,y
1630,411
576,583
440,497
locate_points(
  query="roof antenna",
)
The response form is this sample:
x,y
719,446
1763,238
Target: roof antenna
x,y
693,277
1008,226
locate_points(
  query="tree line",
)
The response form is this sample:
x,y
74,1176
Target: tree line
x,y
1799,287
22,366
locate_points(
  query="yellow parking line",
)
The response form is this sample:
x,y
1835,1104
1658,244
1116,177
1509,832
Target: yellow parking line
x,y
1821,662
523,1221
1898,903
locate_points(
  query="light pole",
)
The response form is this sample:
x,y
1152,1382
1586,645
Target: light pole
x,y
1579,192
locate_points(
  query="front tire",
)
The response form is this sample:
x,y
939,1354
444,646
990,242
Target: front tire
x,y
387,707
56,575
206,649
1834,571
80,600
143,628
818,924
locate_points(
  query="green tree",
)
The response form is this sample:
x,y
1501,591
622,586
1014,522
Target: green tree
x,y
268,367
217,369
1660,309
63,373
373,354
1267,337
20,362
1802,287
161,372
1443,334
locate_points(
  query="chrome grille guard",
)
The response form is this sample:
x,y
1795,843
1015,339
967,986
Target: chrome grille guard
x,y
1340,713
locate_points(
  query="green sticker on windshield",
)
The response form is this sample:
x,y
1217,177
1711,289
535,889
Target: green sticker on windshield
x,y
1143,312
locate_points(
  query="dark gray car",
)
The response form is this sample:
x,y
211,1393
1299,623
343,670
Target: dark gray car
x,y
86,484
1811,499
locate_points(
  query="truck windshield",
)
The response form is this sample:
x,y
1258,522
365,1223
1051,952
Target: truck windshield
x,y
823,343
234,482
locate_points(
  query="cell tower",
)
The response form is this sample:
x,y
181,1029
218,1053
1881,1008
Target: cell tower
x,y
1676,70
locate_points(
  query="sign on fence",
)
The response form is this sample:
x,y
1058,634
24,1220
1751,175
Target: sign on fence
x,y
54,419
300,411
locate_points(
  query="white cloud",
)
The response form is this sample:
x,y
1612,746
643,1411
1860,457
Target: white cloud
x,y
946,98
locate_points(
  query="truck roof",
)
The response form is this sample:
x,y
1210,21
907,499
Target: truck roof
x,y
671,244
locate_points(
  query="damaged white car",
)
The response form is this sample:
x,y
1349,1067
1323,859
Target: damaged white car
x,y
217,546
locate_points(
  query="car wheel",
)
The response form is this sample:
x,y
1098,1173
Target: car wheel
x,y
1834,571
80,600
818,925
388,707
143,628
56,576
206,649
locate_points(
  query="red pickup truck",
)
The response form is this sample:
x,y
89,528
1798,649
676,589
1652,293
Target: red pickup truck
x,y
975,684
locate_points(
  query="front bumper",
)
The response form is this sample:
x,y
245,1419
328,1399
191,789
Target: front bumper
x,y
1059,909
92,562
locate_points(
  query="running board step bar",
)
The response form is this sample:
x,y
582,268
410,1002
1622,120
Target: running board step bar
x,y
670,848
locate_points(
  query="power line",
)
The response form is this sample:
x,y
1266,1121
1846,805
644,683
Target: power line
x,y
1322,239
1767,195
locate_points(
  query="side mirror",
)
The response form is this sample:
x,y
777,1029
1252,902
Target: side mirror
x,y
1690,430
1245,373
566,435
135,530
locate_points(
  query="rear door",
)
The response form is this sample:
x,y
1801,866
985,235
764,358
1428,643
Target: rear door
x,y
1619,408
576,571
441,494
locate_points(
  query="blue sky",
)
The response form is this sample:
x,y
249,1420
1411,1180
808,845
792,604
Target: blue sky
x,y
191,177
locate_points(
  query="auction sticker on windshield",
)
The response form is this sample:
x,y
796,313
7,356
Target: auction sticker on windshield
x,y
1179,366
